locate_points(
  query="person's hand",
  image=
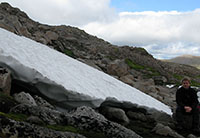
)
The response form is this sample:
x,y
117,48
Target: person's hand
x,y
188,109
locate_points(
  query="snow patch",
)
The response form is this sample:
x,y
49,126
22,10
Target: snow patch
x,y
38,64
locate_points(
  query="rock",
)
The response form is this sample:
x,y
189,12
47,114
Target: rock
x,y
160,80
191,136
160,117
126,106
51,35
87,118
35,120
84,118
117,68
5,81
24,98
115,114
24,31
39,36
13,129
156,96
47,115
166,131
137,116
128,79
42,103
90,63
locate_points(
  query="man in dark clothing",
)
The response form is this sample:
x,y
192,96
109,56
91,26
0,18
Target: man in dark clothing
x,y
187,101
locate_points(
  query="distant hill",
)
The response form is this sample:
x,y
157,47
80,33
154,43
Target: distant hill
x,y
187,60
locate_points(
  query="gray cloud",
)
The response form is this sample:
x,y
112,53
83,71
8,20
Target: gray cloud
x,y
164,34
170,50
70,12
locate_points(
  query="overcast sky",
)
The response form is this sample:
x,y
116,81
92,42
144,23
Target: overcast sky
x,y
165,28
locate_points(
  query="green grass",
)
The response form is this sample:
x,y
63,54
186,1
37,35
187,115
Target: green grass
x,y
133,65
16,117
116,49
197,76
178,77
111,58
6,102
144,129
141,50
6,97
194,83
63,128
69,53
88,134
153,72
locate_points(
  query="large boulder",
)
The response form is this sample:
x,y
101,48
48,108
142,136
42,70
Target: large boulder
x,y
42,103
91,120
133,110
115,114
137,116
117,68
128,79
24,98
166,131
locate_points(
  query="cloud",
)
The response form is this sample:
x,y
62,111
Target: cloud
x,y
164,33
70,12
170,50
149,27
173,33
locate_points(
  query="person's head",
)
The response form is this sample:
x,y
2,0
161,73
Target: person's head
x,y
185,83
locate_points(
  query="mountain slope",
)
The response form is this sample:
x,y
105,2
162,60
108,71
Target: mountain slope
x,y
187,60
89,49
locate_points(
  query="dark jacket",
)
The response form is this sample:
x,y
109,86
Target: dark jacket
x,y
186,97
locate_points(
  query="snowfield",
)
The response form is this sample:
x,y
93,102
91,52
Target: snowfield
x,y
34,62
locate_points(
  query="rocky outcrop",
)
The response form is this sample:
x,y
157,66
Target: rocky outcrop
x,y
98,123
41,119
83,118
133,110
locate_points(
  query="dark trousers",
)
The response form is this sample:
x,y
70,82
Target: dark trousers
x,y
180,112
